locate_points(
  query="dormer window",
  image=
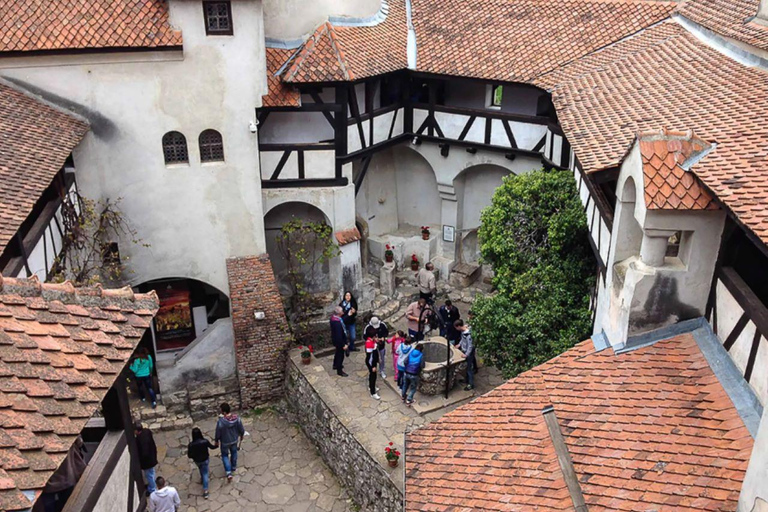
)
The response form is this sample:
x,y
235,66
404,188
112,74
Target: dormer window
x,y
494,96
218,18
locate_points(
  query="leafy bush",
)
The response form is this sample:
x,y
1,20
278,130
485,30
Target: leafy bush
x,y
534,235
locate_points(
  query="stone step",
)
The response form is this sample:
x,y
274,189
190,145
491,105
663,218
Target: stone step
x,y
464,274
387,310
378,302
178,422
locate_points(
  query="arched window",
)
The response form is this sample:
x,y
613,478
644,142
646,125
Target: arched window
x,y
211,146
175,148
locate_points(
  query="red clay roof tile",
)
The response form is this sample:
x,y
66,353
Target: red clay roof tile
x,y
651,428
33,25
729,18
43,406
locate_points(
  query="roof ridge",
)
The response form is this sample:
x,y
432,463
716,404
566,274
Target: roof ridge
x,y
67,293
340,54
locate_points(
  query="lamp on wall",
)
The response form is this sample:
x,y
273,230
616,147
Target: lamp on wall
x,y
416,141
510,156
444,149
471,151
259,315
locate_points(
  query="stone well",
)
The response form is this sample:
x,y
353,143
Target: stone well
x,y
432,378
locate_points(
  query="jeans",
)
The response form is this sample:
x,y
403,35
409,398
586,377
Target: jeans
x,y
415,335
351,335
143,383
229,453
471,369
400,378
203,467
149,474
410,383
383,363
372,381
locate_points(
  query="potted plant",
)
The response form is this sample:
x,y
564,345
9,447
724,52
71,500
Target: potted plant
x,y
389,254
414,262
392,455
425,232
306,354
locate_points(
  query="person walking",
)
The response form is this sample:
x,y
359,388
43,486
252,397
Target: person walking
x,y
378,330
229,431
467,346
372,362
415,321
339,340
165,498
197,450
425,280
145,443
449,313
413,366
402,358
396,341
142,369
349,305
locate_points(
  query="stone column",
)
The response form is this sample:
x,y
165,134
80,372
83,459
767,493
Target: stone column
x,y
261,342
654,246
449,216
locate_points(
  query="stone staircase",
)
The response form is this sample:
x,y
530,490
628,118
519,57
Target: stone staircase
x,y
159,418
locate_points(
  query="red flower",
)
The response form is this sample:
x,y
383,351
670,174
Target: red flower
x,y
301,347
390,444
414,258
387,449
397,453
311,349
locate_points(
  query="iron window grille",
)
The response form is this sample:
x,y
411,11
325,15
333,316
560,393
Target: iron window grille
x,y
175,148
211,146
218,18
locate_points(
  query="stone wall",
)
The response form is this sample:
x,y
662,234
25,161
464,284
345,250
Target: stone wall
x,y
353,465
203,400
260,345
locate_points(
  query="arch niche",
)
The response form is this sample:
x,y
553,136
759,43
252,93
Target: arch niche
x,y
418,200
319,278
474,188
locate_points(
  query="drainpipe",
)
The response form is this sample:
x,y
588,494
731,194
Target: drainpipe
x,y
411,48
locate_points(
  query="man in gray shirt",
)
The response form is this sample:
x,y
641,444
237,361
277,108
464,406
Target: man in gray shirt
x,y
467,346
425,280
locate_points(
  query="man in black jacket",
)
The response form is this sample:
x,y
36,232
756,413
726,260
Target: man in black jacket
x,y
339,339
147,454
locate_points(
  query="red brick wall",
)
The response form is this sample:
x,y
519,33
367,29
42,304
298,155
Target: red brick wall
x,y
260,345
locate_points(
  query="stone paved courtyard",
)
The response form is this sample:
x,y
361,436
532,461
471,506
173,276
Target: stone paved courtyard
x,y
278,470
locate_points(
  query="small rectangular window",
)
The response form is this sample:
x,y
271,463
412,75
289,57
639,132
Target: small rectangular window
x,y
496,95
110,253
218,18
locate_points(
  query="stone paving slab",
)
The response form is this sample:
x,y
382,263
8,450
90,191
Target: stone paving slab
x,y
278,470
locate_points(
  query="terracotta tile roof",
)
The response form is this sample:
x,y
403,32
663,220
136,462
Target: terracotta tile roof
x,y
35,141
348,236
517,40
347,53
665,77
280,94
667,184
651,429
61,349
729,18
29,25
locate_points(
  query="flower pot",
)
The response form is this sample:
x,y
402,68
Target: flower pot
x,y
393,462
425,235
414,266
306,360
389,258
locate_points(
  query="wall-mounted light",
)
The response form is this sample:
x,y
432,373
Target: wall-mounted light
x,y
510,156
259,315
416,141
472,151
444,149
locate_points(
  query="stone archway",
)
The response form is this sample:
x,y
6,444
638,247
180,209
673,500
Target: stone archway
x,y
320,277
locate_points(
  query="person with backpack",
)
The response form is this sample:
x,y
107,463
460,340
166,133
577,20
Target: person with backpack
x,y
413,367
402,352
145,443
197,450
372,362
142,369
229,431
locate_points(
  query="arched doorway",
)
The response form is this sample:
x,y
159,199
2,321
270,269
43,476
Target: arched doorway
x,y
474,190
418,199
317,275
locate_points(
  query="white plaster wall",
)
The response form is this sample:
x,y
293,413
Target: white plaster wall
x,y
477,184
298,127
194,216
757,472
728,313
418,202
527,135
317,164
376,202
515,99
114,495
291,19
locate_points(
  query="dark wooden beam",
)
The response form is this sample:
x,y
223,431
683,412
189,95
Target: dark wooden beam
x,y
363,170
300,155
312,182
467,127
355,110
510,135
340,128
736,331
391,126
280,165
307,107
752,356
318,100
540,145
298,146
746,298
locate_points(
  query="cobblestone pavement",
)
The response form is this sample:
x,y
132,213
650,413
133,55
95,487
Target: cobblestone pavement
x,y
278,470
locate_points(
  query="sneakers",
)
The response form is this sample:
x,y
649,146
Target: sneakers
x,y
154,405
408,402
469,388
229,477
376,396
205,494
143,399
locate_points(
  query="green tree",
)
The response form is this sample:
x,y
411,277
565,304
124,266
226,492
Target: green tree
x,y
534,235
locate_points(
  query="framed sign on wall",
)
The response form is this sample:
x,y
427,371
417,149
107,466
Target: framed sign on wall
x,y
449,234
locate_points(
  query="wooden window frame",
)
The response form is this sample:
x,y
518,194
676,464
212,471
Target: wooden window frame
x,y
208,31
